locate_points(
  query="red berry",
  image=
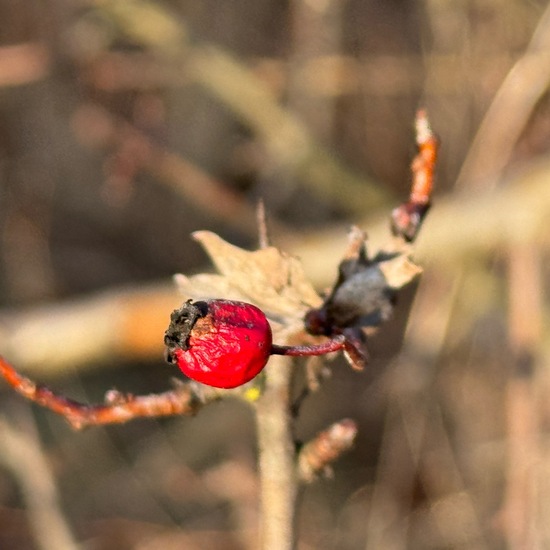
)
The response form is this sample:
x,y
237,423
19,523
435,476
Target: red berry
x,y
222,343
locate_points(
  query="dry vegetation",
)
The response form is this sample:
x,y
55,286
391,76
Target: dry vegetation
x,y
126,125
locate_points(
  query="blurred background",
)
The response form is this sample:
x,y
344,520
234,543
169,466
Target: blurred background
x,y
126,125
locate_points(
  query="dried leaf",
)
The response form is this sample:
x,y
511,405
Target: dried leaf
x,y
268,278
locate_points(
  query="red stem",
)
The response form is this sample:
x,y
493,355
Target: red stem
x,y
334,344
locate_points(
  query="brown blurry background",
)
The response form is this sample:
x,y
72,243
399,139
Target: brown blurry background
x,y
126,125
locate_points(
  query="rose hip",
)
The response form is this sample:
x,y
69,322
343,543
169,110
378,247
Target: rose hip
x,y
222,343
225,343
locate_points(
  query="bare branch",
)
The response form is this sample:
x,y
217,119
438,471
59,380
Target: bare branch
x,y
184,399
512,105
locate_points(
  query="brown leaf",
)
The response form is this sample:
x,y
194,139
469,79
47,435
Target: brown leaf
x,y
268,278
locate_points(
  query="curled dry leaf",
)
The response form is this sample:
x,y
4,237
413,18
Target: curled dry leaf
x,y
364,293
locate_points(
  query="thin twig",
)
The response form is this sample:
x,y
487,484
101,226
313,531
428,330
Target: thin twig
x,y
408,217
119,408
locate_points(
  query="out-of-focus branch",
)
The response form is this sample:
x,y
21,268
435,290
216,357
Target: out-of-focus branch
x,y
22,454
409,413
124,324
316,31
322,75
287,140
96,127
289,143
23,63
510,110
